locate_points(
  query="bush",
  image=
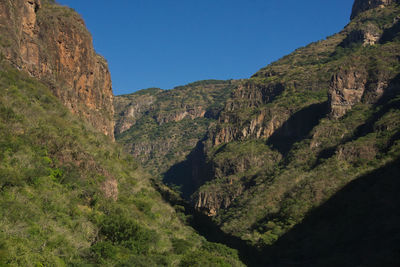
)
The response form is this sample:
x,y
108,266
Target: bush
x,y
124,231
180,246
103,250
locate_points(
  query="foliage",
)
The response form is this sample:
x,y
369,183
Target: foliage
x,y
164,132
55,172
264,184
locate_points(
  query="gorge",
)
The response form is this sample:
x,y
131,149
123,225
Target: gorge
x,y
296,165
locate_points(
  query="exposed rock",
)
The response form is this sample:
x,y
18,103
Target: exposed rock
x,y
165,125
210,202
257,127
347,89
250,94
110,189
187,111
51,43
360,6
261,125
353,153
131,109
354,85
367,35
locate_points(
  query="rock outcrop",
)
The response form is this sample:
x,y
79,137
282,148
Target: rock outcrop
x,y
369,34
161,127
234,125
210,202
51,43
360,6
365,82
287,105
130,108
347,89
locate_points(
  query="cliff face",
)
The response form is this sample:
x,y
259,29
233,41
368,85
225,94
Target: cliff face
x,y
296,132
129,110
161,127
51,43
247,96
355,85
257,108
58,173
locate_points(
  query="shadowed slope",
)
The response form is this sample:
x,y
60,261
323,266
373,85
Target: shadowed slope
x,y
358,226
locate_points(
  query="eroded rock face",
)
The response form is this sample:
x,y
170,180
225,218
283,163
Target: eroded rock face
x,y
257,127
369,34
210,202
347,89
360,6
354,85
129,110
51,43
261,125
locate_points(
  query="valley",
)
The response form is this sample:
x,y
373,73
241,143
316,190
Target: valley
x,y
297,165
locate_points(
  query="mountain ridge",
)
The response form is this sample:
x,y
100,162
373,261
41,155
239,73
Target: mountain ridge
x,y
69,195
291,136
297,165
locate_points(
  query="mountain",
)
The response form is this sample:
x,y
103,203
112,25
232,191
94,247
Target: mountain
x,y
360,6
161,127
69,195
297,165
311,132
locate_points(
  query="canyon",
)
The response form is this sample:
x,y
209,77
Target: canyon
x,y
296,165
292,136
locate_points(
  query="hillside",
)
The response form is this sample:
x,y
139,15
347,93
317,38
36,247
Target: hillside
x,y
298,165
161,127
70,196
301,134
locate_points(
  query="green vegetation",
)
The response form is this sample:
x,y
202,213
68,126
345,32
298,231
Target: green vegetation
x,y
168,124
70,196
282,179
264,188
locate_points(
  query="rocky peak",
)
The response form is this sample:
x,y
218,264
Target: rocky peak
x,y
360,6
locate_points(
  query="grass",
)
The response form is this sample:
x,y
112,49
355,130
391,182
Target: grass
x,y
56,173
261,192
158,136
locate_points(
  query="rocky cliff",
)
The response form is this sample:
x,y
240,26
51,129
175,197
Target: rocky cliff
x,y
360,6
259,107
51,42
69,190
161,127
295,133
69,195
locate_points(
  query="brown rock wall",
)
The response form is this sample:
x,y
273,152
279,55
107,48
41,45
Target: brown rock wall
x,y
51,43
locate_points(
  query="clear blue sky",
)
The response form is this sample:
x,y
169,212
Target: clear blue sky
x,y
166,43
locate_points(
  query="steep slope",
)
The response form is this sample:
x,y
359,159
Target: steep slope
x,y
360,6
161,127
51,42
70,196
301,129
357,226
